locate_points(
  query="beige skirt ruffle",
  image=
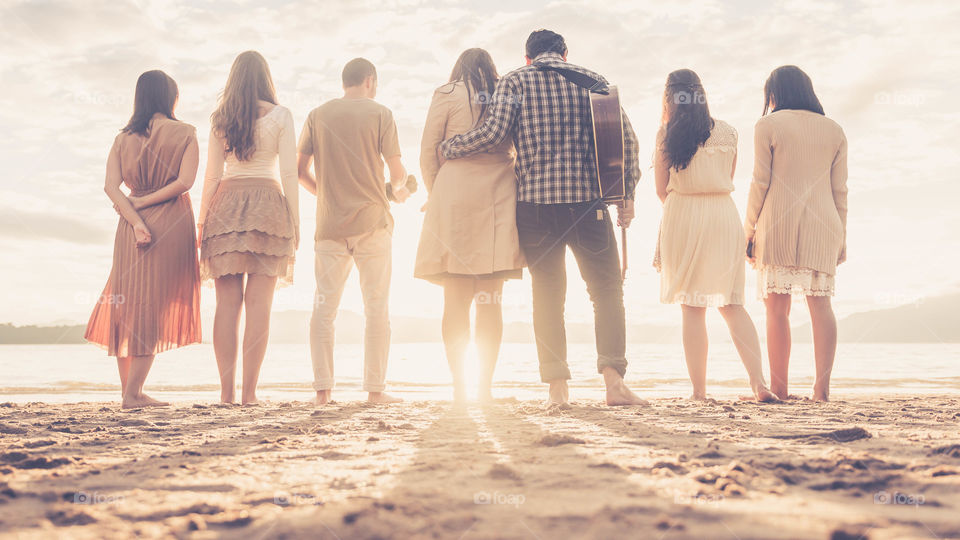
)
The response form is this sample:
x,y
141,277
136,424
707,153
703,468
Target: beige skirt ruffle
x,y
773,279
248,230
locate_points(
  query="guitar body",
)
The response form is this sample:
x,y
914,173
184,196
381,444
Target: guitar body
x,y
608,143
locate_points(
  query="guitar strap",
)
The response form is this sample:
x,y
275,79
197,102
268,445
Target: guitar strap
x,y
580,79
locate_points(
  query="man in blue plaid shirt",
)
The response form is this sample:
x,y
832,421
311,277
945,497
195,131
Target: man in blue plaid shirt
x,y
559,206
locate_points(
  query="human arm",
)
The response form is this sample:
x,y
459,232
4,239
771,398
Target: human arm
x,y
305,157
433,131
631,157
289,177
762,175
398,178
506,102
390,150
661,167
216,156
111,186
838,183
180,185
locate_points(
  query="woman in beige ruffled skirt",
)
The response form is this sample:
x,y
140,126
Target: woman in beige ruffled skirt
x,y
249,220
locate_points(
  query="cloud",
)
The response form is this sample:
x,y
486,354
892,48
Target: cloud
x,y
884,70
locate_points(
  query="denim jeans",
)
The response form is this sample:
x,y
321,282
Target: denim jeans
x,y
545,231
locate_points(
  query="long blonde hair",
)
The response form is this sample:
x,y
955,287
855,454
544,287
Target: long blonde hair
x,y
236,115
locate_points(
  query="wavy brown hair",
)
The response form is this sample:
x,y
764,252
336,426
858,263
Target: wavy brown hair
x,y
476,70
236,115
687,116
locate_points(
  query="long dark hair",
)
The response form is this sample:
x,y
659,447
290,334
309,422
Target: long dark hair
x,y
476,70
156,93
236,116
687,117
790,88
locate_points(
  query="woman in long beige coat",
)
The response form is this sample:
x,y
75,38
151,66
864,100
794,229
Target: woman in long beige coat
x,y
469,240
797,219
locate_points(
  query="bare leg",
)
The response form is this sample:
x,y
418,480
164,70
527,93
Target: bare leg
x,y
457,297
824,325
695,348
617,391
745,337
226,325
123,366
134,398
257,300
489,332
778,342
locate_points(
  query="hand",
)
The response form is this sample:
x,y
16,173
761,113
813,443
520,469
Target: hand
x,y
752,259
142,234
843,255
625,212
401,194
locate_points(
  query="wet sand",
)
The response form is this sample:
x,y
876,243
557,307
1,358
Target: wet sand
x,y
861,468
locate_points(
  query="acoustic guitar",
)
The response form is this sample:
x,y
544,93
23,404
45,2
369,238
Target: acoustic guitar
x,y
608,148
607,121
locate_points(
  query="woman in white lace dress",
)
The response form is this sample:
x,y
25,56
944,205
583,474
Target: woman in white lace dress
x,y
797,219
249,217
701,246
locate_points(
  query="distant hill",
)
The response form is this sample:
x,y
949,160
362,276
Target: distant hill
x,y
929,320
34,335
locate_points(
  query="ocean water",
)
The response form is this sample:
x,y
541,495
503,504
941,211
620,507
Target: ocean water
x,y
70,373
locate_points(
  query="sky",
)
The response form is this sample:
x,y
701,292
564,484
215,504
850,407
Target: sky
x,y
887,71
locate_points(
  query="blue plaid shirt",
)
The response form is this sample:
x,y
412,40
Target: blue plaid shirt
x,y
549,119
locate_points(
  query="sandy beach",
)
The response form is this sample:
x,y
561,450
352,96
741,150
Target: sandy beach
x,y
862,468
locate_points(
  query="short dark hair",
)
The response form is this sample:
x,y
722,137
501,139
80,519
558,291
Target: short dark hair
x,y
357,70
541,41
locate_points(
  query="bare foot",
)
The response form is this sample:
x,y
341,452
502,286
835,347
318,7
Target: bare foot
x,y
322,397
559,393
382,398
140,401
821,392
761,394
697,397
821,397
459,394
228,398
485,396
617,392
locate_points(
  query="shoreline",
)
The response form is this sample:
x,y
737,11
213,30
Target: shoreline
x,y
886,467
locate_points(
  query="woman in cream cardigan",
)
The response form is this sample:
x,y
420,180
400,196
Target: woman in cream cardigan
x,y
796,219
469,241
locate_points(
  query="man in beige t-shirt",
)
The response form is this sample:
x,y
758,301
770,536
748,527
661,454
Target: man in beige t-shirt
x,y
348,140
